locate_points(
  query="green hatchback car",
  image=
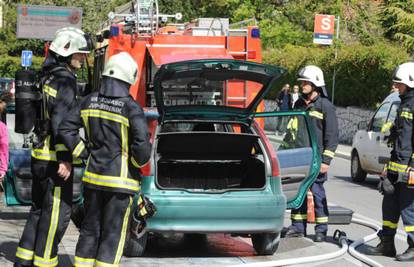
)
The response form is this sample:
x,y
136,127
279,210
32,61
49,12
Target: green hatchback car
x,y
214,167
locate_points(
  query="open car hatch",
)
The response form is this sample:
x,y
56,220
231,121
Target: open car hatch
x,y
213,87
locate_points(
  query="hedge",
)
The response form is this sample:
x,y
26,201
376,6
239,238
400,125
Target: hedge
x,y
363,73
9,65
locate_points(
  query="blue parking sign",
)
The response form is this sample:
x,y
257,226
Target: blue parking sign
x,y
27,58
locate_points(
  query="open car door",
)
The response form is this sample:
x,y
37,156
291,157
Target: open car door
x,y
294,144
18,180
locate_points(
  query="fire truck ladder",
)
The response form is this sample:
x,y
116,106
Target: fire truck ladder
x,y
240,54
146,17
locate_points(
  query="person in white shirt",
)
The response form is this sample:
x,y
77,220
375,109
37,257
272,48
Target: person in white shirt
x,y
295,94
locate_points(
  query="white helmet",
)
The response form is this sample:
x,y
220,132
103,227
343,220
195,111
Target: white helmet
x,y
122,67
70,40
404,73
312,74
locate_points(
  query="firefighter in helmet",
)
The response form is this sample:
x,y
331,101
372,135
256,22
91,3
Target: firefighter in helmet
x,y
397,183
117,147
51,163
323,117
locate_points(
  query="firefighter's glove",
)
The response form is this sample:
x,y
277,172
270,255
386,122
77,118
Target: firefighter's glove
x,y
385,186
145,209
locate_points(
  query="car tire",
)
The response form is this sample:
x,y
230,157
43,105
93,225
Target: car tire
x,y
135,247
357,173
266,243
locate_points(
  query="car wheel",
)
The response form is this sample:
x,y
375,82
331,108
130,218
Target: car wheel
x,y
357,173
135,247
266,243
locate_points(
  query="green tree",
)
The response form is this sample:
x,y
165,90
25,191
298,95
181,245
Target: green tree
x,y
399,22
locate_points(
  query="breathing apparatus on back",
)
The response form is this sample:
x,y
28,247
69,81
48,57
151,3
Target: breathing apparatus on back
x,y
31,113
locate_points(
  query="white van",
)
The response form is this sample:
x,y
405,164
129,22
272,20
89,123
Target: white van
x,y
369,149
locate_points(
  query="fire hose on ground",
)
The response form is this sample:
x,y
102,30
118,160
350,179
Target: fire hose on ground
x,y
342,240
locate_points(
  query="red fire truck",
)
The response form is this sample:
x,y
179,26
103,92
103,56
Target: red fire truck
x,y
152,42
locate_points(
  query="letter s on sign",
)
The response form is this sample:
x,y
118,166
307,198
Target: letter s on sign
x,y
326,24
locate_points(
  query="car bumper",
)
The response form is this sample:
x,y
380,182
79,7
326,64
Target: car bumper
x,y
230,212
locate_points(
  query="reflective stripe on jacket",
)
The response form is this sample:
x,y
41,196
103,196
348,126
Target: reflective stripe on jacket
x,y
402,152
59,93
323,117
117,138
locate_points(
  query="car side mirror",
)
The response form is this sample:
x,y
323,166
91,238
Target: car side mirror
x,y
362,125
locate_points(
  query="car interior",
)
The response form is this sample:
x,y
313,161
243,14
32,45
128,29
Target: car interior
x,y
208,156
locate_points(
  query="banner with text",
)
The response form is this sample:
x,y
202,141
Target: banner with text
x,y
41,22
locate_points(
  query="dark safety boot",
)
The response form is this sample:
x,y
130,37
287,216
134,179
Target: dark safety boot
x,y
293,233
320,237
385,248
408,255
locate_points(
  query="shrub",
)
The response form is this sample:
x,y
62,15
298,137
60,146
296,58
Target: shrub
x,y
363,73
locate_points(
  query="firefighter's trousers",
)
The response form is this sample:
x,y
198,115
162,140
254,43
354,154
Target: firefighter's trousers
x,y
48,218
394,205
103,231
299,216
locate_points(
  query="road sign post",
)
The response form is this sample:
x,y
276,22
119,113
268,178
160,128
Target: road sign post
x,y
323,33
336,56
27,56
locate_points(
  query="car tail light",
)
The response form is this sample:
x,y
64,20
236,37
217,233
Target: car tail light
x,y
152,125
269,149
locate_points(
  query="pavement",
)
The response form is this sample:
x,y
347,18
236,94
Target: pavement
x,y
12,221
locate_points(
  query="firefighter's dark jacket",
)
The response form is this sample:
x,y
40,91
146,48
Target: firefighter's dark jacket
x,y
117,138
402,135
325,123
59,92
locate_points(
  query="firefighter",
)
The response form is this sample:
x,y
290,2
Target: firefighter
x,y
51,162
323,117
398,177
117,147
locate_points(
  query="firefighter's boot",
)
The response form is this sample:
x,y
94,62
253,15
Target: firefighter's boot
x,y
385,248
408,255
